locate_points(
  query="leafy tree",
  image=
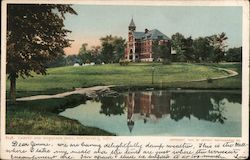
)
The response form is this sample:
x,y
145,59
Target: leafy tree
x,y
161,51
107,52
156,50
119,48
219,46
96,54
84,55
178,45
234,55
112,48
35,36
188,49
203,51
71,60
183,47
83,48
89,55
95,50
58,62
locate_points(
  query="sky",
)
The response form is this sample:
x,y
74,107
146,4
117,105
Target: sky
x,y
95,21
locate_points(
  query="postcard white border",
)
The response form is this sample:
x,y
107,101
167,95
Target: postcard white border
x,y
245,58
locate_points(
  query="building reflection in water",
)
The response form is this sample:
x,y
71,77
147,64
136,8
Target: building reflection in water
x,y
151,106
148,106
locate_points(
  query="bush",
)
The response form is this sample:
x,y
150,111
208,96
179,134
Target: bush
x,y
124,62
209,80
98,61
166,61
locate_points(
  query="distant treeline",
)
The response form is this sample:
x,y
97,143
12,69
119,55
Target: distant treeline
x,y
210,49
203,49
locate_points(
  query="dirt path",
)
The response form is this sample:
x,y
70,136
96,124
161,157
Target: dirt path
x,y
230,72
83,91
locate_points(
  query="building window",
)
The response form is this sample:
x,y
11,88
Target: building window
x,y
160,37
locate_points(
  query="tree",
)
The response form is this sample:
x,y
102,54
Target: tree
x,y
219,46
96,53
112,48
84,55
156,50
58,62
89,55
35,36
161,51
188,49
234,55
71,60
83,48
183,47
202,50
178,45
119,48
107,52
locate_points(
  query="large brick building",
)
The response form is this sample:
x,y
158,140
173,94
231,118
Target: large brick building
x,y
140,44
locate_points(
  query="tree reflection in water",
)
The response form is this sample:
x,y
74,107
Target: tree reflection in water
x,y
206,106
153,105
112,105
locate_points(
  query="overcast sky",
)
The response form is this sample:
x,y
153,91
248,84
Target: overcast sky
x,y
95,21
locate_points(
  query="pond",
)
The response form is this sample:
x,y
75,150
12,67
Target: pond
x,y
164,113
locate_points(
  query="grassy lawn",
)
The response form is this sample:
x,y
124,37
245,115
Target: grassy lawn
x,y
227,83
41,116
134,75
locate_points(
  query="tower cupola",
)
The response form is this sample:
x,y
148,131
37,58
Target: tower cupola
x,y
132,26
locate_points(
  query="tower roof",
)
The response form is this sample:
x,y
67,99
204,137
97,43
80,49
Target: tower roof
x,y
130,124
132,24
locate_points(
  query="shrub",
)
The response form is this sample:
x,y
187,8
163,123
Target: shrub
x,y
124,62
166,61
209,80
98,61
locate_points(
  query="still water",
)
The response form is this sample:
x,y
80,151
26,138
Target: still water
x,y
163,113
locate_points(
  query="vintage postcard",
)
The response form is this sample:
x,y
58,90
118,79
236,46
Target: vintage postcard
x,y
124,80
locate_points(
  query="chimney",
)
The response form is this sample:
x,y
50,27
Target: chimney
x,y
146,30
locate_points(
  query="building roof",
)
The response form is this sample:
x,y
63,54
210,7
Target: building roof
x,y
138,35
155,34
150,35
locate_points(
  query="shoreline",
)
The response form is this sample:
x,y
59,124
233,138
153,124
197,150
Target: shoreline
x,y
51,111
92,91
43,118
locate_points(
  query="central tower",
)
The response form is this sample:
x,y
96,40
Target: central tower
x,y
131,41
132,26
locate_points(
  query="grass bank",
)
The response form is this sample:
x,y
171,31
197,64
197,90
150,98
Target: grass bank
x,y
40,117
176,75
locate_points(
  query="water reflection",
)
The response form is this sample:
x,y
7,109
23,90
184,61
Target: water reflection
x,y
153,105
112,105
174,113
